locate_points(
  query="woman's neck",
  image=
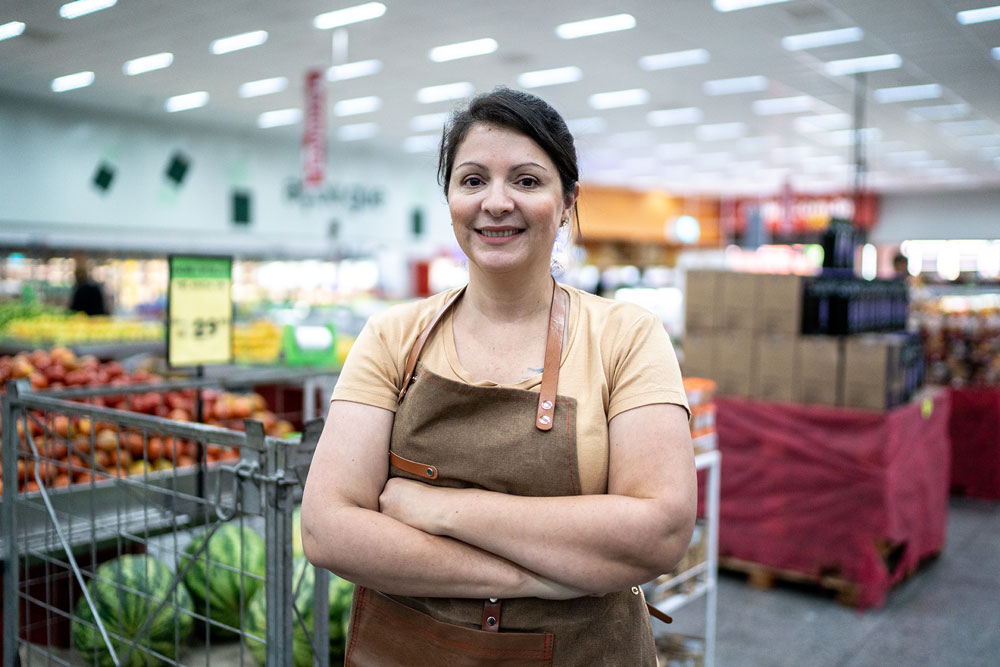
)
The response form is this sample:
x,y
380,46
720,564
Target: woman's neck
x,y
506,299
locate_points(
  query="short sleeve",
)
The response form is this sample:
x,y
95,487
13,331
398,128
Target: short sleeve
x,y
371,371
644,368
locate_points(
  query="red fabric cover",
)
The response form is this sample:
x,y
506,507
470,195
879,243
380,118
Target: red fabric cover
x,y
815,489
975,442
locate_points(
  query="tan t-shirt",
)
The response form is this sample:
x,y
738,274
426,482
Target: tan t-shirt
x,y
616,357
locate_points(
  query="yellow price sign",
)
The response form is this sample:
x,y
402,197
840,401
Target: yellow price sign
x,y
200,311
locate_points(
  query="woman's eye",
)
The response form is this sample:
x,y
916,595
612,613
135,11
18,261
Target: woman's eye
x,y
527,181
473,181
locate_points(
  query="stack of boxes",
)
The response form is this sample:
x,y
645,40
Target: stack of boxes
x,y
745,331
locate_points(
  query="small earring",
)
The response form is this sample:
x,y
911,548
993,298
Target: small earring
x,y
564,222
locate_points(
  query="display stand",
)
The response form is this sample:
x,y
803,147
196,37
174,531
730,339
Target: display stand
x,y
855,496
704,574
975,442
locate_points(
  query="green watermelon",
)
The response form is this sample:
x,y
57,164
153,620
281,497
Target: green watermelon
x,y
234,557
303,587
125,592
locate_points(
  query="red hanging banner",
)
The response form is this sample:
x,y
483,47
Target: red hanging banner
x,y
314,130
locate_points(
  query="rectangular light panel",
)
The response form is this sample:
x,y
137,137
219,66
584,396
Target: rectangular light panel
x,y
11,29
742,84
354,70
72,10
349,15
444,92
357,105
927,91
674,59
667,117
475,47
596,26
815,40
263,87
549,77
867,64
619,98
148,63
186,101
734,5
278,118
244,40
72,81
980,15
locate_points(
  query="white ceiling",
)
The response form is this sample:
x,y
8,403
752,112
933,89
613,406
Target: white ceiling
x,y
909,152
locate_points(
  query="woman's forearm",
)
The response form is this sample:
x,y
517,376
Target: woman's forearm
x,y
376,551
598,543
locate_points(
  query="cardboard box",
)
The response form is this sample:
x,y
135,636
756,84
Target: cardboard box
x,y
776,368
739,302
821,370
702,296
698,354
734,353
872,371
779,304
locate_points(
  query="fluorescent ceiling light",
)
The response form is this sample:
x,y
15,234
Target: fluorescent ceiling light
x,y
354,70
475,47
549,77
263,87
244,40
814,40
780,105
907,157
421,143
11,29
357,105
967,127
867,64
742,84
995,52
733,5
148,63
448,91
349,15
928,91
990,152
940,112
71,10
428,121
186,101
632,139
675,151
785,154
978,15
756,144
72,81
619,98
720,131
980,140
589,125
847,137
717,159
822,122
357,131
279,117
682,116
674,59
595,26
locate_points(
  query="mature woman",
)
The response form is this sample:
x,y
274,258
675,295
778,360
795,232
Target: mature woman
x,y
504,463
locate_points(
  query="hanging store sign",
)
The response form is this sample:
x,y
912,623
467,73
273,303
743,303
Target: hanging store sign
x,y
200,311
792,215
314,130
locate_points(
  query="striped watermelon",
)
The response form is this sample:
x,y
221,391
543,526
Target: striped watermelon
x,y
303,586
125,592
225,575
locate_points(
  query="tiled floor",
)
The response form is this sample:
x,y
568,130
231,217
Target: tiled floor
x,y
947,615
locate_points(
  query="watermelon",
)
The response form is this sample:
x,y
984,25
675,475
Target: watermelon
x,y
303,587
125,592
236,557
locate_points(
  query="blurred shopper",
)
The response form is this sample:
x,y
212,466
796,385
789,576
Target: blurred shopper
x,y
504,463
88,295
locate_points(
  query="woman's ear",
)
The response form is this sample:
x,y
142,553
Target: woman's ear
x,y
570,202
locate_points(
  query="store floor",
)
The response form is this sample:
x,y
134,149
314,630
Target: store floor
x,y
947,614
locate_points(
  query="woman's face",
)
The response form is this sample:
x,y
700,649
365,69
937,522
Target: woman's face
x,y
506,201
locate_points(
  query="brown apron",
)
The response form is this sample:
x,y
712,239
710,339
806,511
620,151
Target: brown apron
x,y
513,441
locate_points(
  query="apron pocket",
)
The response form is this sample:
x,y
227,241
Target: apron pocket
x,y
385,632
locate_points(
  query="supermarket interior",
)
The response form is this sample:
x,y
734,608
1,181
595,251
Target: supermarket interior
x,y
202,204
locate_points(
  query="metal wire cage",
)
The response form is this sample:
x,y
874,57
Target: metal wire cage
x,y
113,557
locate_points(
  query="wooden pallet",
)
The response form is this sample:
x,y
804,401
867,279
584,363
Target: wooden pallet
x,y
765,577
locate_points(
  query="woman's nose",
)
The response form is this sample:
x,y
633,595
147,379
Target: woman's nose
x,y
497,201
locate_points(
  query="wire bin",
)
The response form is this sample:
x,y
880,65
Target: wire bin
x,y
114,556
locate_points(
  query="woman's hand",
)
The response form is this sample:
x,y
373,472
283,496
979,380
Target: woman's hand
x,y
416,504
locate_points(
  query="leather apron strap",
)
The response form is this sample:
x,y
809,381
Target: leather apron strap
x,y
550,367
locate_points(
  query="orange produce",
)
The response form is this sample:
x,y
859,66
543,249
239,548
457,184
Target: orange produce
x,y
106,440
